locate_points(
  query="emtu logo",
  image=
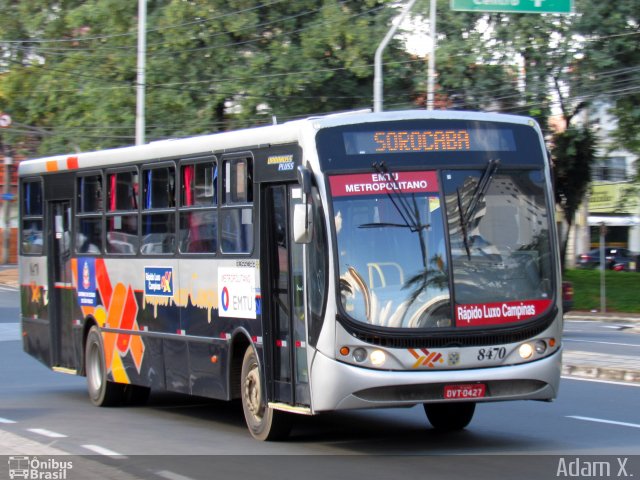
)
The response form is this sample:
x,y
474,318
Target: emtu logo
x,y
225,299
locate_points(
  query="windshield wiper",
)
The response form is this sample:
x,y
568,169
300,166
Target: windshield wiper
x,y
400,225
479,192
410,216
399,201
463,226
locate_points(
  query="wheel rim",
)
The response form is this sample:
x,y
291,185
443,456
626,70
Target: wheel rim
x,y
94,368
253,393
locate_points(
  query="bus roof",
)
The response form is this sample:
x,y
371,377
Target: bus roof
x,y
288,132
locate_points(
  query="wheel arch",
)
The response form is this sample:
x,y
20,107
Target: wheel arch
x,y
240,341
89,322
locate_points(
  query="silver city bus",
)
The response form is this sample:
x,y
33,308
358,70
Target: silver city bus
x,y
340,262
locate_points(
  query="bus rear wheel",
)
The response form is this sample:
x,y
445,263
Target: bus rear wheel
x,y
102,392
449,417
263,422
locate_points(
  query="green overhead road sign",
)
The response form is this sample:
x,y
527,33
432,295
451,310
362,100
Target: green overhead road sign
x,y
513,6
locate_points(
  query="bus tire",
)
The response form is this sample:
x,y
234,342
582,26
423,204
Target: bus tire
x,y
264,423
449,417
102,392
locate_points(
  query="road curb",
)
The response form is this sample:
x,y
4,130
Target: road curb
x,y
599,366
601,373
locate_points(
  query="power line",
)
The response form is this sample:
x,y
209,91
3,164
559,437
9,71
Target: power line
x,y
129,34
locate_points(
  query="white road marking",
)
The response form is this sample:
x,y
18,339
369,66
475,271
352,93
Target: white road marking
x,y
104,451
47,433
6,420
610,382
600,420
171,475
602,343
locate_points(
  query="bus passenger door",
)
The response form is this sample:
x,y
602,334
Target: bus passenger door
x,y
61,306
283,289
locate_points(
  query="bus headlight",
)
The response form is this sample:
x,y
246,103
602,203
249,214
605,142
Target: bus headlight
x,y
541,347
359,355
525,351
378,358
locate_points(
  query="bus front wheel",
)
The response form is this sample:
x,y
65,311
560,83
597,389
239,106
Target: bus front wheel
x,y
449,417
263,422
102,392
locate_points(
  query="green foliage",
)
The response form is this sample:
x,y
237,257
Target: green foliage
x,y
620,290
69,67
609,67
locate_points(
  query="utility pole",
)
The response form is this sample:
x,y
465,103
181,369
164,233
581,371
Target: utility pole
x,y
5,122
432,56
6,204
140,87
603,269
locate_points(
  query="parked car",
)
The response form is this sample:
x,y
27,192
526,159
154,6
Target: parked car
x,y
613,256
629,264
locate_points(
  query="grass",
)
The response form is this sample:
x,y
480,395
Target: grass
x,y
622,290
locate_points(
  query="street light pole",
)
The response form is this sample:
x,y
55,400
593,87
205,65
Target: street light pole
x,y
377,64
603,269
140,86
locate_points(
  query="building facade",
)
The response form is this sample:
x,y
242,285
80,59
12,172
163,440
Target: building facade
x,y
613,199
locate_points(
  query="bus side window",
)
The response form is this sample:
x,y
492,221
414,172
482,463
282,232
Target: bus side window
x,y
198,212
158,210
122,212
236,216
32,219
89,201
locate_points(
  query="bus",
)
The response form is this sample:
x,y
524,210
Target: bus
x,y
345,261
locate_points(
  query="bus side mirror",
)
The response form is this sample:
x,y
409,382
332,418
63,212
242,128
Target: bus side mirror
x,y
302,223
304,179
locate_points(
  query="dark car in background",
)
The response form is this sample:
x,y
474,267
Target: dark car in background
x,y
615,259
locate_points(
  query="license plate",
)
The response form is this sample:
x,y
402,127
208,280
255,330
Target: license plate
x,y
472,390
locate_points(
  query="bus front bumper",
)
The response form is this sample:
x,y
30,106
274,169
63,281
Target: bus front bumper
x,y
340,386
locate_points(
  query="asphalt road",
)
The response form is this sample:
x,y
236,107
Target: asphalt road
x,y
177,437
602,337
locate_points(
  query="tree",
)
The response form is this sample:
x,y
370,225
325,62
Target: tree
x,y
609,66
70,66
573,152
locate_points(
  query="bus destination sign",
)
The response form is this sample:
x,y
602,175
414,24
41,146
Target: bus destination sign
x,y
423,141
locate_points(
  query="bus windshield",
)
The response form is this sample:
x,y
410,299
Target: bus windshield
x,y
394,230
391,249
